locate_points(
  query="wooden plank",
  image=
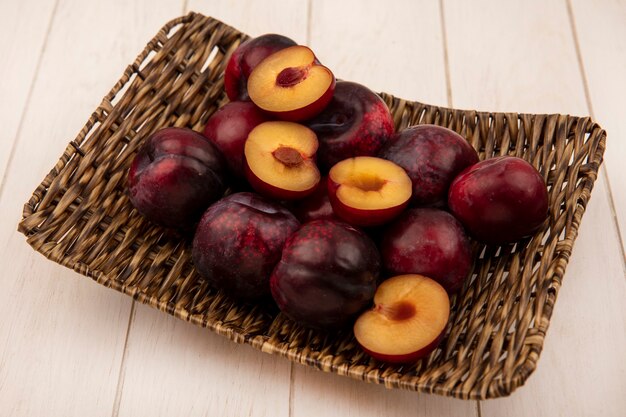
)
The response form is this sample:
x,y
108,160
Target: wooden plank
x,y
259,17
523,58
517,58
395,47
316,393
377,46
62,338
601,36
172,367
176,368
26,24
581,371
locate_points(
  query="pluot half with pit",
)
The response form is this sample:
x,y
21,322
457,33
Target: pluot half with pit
x,y
245,58
280,160
291,84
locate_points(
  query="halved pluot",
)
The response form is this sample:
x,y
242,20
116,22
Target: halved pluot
x,y
280,160
408,319
291,84
368,191
245,58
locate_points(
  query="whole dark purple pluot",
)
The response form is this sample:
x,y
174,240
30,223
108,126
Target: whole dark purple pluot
x,y
432,156
357,122
239,241
228,129
428,242
500,200
245,58
327,274
175,176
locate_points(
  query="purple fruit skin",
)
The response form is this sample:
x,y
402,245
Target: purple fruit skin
x,y
239,241
228,129
432,157
357,122
175,176
500,200
245,58
327,274
315,206
428,242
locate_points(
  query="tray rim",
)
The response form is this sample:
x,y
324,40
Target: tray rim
x,y
497,388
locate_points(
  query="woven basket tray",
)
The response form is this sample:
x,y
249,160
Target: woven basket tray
x,y
80,217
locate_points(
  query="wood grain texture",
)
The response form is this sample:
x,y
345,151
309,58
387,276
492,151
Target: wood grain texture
x,y
601,35
582,371
315,393
175,368
395,47
365,51
518,58
535,47
217,376
62,338
256,18
25,27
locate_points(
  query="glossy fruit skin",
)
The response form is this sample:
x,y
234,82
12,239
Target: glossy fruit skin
x,y
432,156
500,200
228,129
175,176
239,241
356,122
428,242
315,206
245,58
327,274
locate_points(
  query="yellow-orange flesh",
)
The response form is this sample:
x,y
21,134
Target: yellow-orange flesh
x,y
279,153
369,183
268,93
410,312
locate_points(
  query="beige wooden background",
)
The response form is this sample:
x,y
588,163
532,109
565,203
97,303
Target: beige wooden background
x,y
69,347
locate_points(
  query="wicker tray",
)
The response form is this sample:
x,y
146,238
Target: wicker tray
x,y
80,217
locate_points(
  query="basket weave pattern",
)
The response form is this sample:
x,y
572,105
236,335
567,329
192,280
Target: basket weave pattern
x,y
80,217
